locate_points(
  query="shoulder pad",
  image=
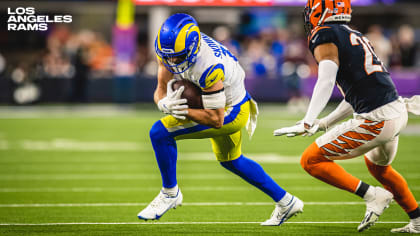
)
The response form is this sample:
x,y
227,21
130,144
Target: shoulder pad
x,y
211,75
321,35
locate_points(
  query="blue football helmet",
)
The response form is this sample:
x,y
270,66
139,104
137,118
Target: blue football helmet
x,y
178,42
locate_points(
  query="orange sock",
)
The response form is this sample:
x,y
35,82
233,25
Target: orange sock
x,y
314,162
395,183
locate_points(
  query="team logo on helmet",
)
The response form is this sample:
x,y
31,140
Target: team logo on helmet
x,y
178,42
318,12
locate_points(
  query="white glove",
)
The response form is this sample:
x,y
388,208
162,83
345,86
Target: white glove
x,y
298,129
311,130
173,104
322,123
291,131
169,89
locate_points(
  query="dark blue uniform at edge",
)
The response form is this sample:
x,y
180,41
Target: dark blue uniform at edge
x,y
364,92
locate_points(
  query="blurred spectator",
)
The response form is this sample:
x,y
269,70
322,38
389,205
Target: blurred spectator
x,y
26,91
64,49
222,35
294,69
380,43
278,46
143,54
55,63
406,45
268,46
79,82
257,61
100,57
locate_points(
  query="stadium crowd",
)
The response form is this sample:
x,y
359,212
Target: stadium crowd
x,y
272,53
269,54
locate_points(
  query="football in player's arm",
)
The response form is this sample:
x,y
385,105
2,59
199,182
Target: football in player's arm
x,y
177,107
346,58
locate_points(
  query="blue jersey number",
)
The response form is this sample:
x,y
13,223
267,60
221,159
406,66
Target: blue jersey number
x,y
225,51
217,48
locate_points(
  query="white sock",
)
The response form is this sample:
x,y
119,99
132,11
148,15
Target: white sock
x,y
285,200
370,193
172,192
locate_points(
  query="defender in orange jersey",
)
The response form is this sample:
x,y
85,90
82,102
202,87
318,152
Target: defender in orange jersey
x,y
346,58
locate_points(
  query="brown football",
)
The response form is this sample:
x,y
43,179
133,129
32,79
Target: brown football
x,y
191,92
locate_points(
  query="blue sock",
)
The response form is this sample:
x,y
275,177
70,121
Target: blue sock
x,y
254,174
166,153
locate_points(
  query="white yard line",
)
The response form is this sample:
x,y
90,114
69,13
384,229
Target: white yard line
x,y
33,177
154,189
128,189
216,176
66,111
78,145
63,144
184,204
189,223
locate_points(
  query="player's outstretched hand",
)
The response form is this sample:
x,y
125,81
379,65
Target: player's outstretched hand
x,y
291,131
298,129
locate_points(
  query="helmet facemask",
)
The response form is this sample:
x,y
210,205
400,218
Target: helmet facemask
x,y
178,62
306,19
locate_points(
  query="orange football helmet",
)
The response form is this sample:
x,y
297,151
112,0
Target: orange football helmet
x,y
318,12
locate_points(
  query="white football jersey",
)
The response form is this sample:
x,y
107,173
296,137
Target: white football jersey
x,y
215,62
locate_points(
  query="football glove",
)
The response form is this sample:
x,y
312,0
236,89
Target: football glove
x,y
299,129
173,104
169,89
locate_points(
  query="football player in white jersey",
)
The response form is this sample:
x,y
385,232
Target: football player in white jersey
x,y
185,53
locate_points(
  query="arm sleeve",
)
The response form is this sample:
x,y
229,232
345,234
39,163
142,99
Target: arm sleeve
x,y
327,72
211,75
343,110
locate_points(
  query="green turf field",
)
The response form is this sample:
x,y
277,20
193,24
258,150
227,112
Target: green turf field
x,y
81,172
